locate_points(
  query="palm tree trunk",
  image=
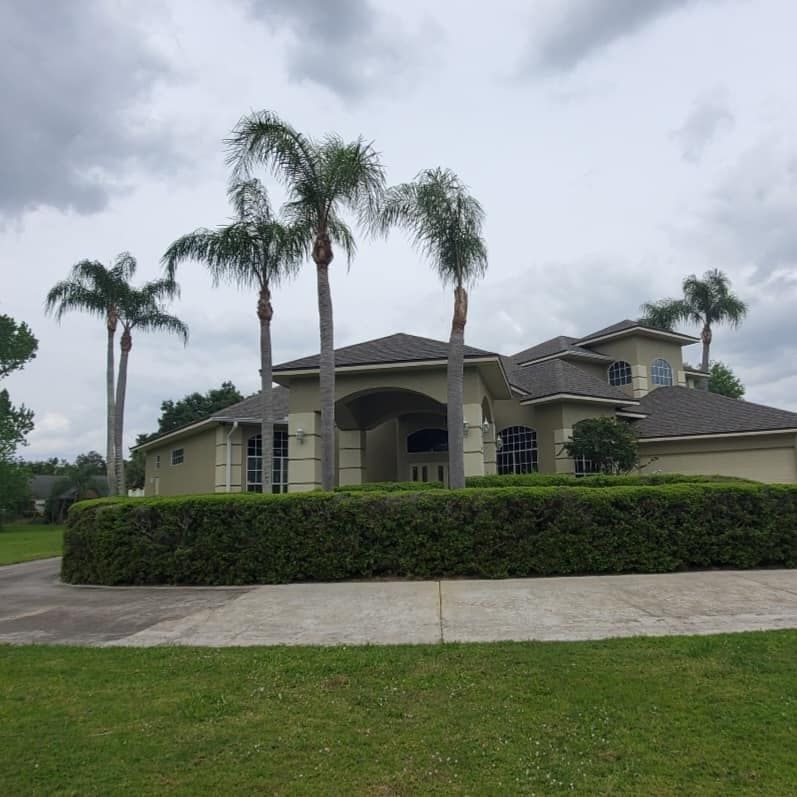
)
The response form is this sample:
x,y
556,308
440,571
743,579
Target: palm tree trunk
x,y
705,336
322,255
110,417
121,389
455,374
265,313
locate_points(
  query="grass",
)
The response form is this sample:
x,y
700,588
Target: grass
x,y
21,542
662,716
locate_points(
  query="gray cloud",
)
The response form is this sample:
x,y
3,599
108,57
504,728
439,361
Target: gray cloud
x,y
750,217
582,27
709,116
345,46
74,76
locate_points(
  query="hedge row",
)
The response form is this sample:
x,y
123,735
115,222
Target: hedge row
x,y
389,487
596,480
492,533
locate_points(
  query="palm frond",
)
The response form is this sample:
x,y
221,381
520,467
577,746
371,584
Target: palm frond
x,y
67,296
664,314
444,221
262,137
153,319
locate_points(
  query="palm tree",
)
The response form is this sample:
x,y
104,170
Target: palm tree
x,y
255,251
92,288
323,179
445,222
705,302
142,309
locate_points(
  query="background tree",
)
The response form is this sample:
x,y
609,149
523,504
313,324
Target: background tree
x,y
94,289
706,302
92,461
723,380
256,252
446,225
17,347
140,309
46,467
609,444
323,179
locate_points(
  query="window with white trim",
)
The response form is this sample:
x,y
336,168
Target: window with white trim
x,y
518,450
178,456
583,466
661,372
279,463
157,461
620,373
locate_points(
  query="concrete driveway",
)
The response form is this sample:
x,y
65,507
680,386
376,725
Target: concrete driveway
x,y
36,607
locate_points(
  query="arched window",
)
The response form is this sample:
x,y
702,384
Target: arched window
x,y
427,441
620,373
660,372
279,463
517,452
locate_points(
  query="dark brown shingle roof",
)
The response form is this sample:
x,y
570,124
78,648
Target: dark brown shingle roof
x,y
682,411
249,408
552,377
627,324
396,348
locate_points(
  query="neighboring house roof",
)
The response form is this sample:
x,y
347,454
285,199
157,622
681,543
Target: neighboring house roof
x,y
628,325
683,412
42,486
559,377
398,348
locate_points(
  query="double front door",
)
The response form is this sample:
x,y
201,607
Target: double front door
x,y
429,472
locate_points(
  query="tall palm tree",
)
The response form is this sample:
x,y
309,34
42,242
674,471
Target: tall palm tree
x,y
705,302
445,223
323,179
255,251
142,309
97,290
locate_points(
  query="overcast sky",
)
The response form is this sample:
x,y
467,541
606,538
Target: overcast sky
x,y
616,145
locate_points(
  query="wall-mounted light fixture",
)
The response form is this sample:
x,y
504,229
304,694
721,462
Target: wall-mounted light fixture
x,y
300,435
486,427
465,428
499,443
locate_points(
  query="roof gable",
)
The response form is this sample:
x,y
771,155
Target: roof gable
x,y
390,349
557,376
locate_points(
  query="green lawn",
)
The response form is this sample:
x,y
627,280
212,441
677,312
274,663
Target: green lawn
x,y
20,542
670,716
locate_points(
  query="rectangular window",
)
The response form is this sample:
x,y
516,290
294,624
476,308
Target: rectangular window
x,y
584,466
177,456
157,461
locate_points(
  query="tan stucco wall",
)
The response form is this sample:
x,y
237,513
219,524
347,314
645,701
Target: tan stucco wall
x,y
767,458
195,475
380,452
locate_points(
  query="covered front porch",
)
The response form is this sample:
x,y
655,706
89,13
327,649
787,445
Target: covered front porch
x,y
391,426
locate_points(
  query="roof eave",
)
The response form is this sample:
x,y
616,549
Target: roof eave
x,y
714,435
578,397
687,340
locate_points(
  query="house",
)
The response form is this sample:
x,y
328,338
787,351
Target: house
x,y
391,416
61,493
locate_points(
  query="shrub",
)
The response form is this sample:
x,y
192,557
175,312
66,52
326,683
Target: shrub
x,y
389,487
595,480
490,533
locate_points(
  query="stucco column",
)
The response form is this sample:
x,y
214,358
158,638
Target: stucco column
x,y
639,380
304,451
351,456
490,451
474,445
680,378
229,439
562,462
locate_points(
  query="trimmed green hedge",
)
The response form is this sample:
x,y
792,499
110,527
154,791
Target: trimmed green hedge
x,y
596,480
389,487
492,533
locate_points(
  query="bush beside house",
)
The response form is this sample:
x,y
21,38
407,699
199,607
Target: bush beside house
x,y
480,532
